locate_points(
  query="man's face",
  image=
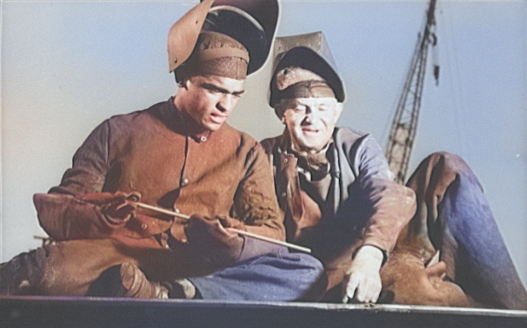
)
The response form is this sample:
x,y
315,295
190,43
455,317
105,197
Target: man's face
x,y
310,121
210,99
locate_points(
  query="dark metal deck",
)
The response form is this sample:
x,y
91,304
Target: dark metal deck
x,y
73,312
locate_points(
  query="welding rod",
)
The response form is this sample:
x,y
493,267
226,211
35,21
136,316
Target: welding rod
x,y
240,232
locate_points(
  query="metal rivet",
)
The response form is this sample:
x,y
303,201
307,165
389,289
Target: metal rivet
x,y
203,139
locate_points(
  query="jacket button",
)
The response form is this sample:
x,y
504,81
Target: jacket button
x,y
284,194
203,139
144,226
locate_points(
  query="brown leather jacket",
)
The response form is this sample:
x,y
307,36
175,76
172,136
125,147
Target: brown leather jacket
x,y
363,207
156,152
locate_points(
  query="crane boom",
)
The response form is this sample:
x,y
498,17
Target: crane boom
x,y
404,124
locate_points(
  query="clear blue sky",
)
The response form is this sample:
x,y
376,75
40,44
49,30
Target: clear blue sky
x,y
68,65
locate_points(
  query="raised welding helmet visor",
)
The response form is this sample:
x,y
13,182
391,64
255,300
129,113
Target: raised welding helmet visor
x,y
307,51
250,22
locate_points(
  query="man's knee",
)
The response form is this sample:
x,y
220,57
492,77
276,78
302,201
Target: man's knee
x,y
313,276
437,172
449,162
297,271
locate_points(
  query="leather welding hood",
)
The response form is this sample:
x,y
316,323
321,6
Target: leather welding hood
x,y
250,22
308,51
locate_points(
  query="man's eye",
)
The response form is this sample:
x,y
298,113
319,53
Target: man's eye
x,y
299,109
212,91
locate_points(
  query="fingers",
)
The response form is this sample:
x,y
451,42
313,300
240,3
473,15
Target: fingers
x,y
224,221
351,282
228,222
133,196
119,210
361,288
209,226
121,207
436,270
368,291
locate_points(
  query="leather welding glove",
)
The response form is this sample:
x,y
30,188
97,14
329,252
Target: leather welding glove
x,y
211,242
228,222
362,282
92,216
116,207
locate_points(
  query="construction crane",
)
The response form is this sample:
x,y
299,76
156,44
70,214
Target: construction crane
x,y
404,124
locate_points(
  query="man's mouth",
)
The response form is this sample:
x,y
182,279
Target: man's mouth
x,y
218,118
310,130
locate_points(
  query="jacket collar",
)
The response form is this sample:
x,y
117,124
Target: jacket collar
x,y
181,122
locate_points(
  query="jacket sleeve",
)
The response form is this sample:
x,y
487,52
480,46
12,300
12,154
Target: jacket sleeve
x,y
62,213
255,200
90,165
388,206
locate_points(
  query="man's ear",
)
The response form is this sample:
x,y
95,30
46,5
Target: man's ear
x,y
183,84
280,111
338,109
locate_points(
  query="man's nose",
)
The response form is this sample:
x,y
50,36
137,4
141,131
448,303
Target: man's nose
x,y
226,103
312,116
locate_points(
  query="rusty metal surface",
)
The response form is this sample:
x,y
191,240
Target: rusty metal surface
x,y
107,312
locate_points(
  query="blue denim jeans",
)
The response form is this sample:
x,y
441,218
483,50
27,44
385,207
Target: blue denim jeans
x,y
277,276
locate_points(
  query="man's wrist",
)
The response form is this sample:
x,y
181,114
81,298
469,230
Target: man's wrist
x,y
371,254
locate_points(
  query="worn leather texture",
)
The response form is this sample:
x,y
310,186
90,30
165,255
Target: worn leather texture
x,y
364,207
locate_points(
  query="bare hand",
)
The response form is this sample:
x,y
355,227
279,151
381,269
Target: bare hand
x,y
362,282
